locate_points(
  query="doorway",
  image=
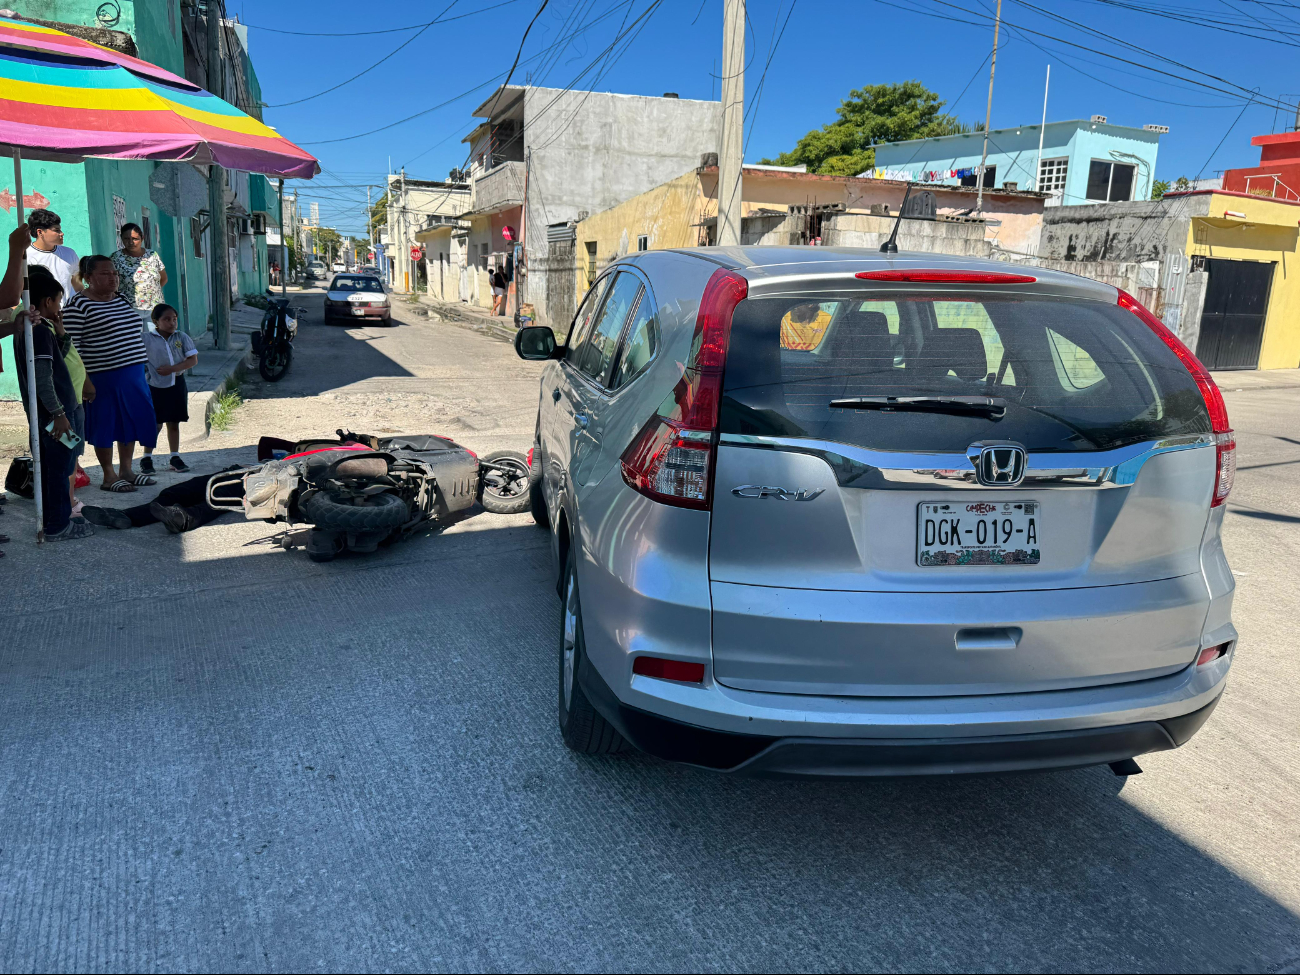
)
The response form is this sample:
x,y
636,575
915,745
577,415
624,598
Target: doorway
x,y
1232,324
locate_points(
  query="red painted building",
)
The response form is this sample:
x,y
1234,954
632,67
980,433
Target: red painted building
x,y
1278,172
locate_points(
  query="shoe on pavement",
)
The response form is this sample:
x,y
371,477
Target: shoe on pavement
x,y
105,517
146,464
75,529
174,518
178,464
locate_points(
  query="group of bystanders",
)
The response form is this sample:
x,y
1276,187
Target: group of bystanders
x,y
110,363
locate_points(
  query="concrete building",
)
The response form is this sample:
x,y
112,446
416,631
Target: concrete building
x,y
1218,267
789,206
547,156
168,200
1278,172
1082,161
413,206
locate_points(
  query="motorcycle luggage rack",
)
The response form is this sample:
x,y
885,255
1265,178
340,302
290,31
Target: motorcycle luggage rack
x,y
226,490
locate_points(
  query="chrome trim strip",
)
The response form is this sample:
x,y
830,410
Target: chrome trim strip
x,y
1104,468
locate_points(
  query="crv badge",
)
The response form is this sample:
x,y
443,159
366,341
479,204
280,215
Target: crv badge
x,y
1000,464
766,491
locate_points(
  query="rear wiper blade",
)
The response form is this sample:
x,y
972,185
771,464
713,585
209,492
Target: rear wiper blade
x,y
994,407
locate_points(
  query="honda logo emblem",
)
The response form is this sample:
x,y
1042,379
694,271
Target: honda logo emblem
x,y
998,464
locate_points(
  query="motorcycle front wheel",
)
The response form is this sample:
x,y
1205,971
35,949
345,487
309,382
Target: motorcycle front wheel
x,y
274,362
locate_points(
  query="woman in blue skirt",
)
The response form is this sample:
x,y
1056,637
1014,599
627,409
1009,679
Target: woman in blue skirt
x,y
106,331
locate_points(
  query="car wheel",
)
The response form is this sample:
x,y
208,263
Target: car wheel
x,y
537,505
581,726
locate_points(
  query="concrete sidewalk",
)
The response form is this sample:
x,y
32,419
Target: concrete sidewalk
x,y
468,316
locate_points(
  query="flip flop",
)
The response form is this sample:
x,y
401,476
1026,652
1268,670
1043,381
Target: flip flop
x,y
144,479
119,487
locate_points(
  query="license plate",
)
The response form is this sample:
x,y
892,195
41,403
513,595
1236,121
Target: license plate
x,y
978,532
358,311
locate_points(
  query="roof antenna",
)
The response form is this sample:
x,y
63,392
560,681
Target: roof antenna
x,y
891,246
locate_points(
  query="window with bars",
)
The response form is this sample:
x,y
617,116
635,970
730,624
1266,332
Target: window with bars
x,y
1051,174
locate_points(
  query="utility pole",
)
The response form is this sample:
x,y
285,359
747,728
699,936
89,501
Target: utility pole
x,y
988,116
406,258
731,149
1038,178
217,193
284,247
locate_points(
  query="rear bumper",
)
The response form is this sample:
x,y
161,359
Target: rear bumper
x,y
793,755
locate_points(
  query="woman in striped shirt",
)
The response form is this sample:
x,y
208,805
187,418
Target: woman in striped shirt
x,y
105,328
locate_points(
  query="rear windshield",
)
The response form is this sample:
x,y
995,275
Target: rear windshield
x,y
1068,374
356,284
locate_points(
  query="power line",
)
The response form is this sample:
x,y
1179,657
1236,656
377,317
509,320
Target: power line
x,y
467,92
1237,94
762,80
390,54
387,30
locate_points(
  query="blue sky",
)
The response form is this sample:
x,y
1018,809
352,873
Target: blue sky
x,y
828,47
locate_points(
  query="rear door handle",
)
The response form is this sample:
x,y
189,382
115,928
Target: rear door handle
x,y
555,394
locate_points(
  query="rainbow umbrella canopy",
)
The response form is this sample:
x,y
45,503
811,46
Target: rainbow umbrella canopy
x,y
64,98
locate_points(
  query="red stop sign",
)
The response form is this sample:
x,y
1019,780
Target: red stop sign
x,y
415,253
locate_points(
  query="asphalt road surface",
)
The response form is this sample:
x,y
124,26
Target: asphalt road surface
x,y
216,755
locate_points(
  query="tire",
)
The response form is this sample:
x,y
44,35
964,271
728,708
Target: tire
x,y
537,505
582,727
512,498
381,513
274,363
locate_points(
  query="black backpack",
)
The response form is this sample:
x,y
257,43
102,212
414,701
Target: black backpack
x,y
20,480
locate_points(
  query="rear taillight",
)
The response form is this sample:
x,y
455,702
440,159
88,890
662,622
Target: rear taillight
x,y
1225,442
666,669
671,459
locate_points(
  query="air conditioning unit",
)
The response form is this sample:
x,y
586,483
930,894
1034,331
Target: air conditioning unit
x,y
1099,120
245,227
1162,129
259,223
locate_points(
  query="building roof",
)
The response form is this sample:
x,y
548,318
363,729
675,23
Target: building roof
x,y
1128,131
765,171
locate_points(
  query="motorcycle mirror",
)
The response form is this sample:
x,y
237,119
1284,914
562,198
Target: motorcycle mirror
x,y
535,343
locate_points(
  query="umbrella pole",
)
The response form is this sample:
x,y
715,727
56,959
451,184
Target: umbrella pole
x,y
33,416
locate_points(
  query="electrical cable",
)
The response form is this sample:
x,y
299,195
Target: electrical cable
x,y
463,94
751,116
390,54
387,30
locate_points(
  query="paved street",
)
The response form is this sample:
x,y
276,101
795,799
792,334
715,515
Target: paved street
x,y
215,755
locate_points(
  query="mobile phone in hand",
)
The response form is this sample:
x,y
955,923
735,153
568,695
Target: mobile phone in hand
x,y
67,438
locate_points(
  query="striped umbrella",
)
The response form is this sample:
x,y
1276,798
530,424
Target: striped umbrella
x,y
61,96
63,99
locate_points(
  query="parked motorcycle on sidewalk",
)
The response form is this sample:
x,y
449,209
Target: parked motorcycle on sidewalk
x,y
273,344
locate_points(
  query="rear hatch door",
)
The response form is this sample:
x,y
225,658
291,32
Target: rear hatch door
x,y
854,548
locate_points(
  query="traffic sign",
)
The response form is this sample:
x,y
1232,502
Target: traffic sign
x,y
415,253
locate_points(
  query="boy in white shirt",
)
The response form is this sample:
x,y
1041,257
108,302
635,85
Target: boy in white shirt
x,y
47,248
171,352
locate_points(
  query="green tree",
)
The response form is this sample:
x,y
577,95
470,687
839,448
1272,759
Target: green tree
x,y
327,241
1159,188
1182,183
871,115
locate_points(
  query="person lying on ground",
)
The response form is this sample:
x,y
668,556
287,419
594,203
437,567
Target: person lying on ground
x,y
56,401
180,507
171,352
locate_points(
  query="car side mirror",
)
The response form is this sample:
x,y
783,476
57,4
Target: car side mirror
x,y
535,343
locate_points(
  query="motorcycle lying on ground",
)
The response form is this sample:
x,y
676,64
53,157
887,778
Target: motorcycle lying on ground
x,y
359,492
273,343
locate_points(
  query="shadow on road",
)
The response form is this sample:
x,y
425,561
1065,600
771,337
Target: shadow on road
x,y
356,766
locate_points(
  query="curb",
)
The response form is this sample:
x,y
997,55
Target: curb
x,y
453,315
232,381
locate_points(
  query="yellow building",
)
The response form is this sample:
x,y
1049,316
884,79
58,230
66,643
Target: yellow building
x,y
1220,268
789,206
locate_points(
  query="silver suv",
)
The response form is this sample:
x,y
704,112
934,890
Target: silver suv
x,y
823,511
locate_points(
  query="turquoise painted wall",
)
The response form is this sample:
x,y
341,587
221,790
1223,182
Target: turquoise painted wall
x,y
1015,153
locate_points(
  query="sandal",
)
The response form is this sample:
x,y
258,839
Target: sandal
x,y
118,487
141,480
